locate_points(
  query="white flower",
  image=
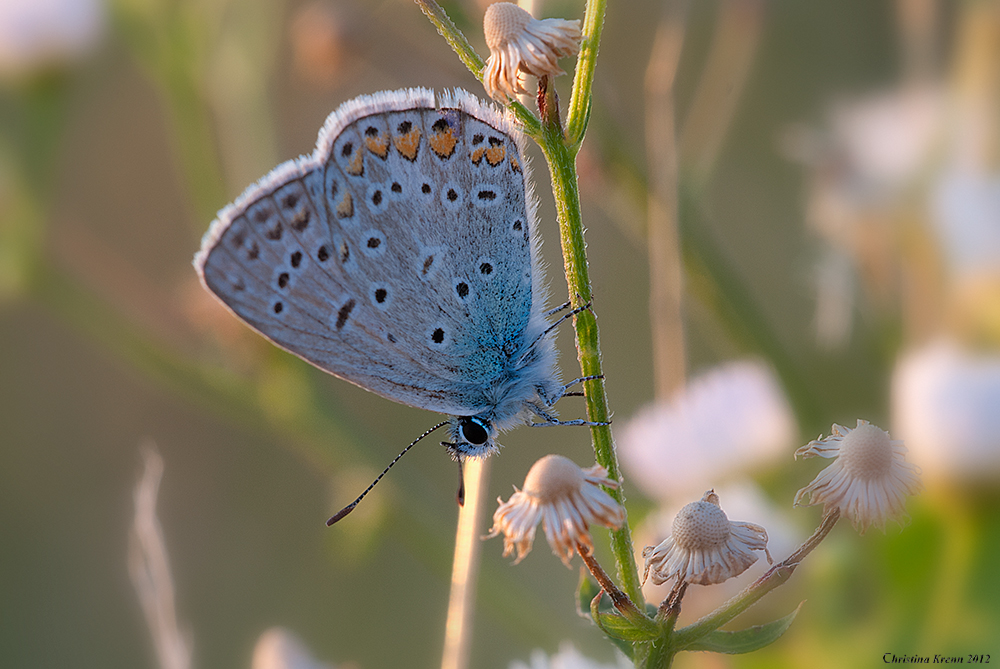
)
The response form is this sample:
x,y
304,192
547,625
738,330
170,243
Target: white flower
x,y
888,137
568,657
519,42
36,34
278,648
946,405
869,480
566,499
723,423
704,546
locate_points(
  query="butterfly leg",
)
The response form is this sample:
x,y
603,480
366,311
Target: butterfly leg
x,y
579,380
553,326
568,314
562,392
552,420
553,312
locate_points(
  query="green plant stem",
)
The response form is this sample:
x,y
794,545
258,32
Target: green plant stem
x,y
560,152
561,159
578,111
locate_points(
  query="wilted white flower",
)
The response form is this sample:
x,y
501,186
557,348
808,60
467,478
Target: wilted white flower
x,y
744,499
566,499
568,657
520,42
869,480
704,546
724,422
946,405
278,648
36,34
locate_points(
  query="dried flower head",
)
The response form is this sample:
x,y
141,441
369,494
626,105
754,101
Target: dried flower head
x,y
520,42
869,480
705,547
566,498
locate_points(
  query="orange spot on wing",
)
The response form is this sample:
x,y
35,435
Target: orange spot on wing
x,y
345,209
409,144
495,155
443,142
378,144
356,167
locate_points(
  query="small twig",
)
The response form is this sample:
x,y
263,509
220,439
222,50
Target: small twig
x,y
829,520
670,607
620,600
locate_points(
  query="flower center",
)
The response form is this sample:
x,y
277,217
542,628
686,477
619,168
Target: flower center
x,y
700,525
503,21
553,477
866,452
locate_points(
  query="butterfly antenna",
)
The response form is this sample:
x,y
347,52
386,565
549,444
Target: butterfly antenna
x,y
350,507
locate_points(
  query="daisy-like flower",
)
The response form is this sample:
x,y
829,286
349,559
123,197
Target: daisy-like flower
x,y
869,480
566,499
705,547
520,42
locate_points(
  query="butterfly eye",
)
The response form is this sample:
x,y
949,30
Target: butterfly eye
x,y
474,431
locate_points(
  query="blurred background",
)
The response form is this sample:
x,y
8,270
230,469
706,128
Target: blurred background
x,y
793,216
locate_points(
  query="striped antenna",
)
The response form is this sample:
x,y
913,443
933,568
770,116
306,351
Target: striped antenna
x,y
350,507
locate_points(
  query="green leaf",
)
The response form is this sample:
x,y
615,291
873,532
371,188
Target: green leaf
x,y
589,607
619,627
744,641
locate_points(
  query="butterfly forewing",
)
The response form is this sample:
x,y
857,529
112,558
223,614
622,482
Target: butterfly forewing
x,y
398,256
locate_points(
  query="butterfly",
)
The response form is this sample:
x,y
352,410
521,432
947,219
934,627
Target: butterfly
x,y
402,255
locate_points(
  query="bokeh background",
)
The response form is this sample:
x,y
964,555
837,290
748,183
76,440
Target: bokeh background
x,y
838,187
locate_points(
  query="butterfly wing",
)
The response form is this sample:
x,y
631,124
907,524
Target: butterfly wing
x,y
399,256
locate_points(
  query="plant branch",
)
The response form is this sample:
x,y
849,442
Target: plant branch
x,y
578,112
